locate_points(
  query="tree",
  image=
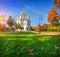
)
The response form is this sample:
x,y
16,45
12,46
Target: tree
x,y
53,16
56,3
3,27
10,21
44,27
17,25
32,28
38,28
52,27
2,18
0,27
59,16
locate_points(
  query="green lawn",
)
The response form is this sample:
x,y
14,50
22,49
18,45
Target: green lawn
x,y
27,44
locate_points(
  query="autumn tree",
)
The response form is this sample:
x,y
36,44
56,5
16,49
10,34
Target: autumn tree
x,y
52,27
2,18
44,27
32,28
56,3
4,27
17,25
59,16
0,27
57,6
10,22
38,28
53,17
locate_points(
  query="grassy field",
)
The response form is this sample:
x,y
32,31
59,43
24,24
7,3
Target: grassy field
x,y
27,44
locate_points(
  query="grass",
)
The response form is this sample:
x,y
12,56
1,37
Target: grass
x,y
27,44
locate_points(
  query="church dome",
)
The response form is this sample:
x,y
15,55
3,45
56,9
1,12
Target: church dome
x,y
28,17
22,14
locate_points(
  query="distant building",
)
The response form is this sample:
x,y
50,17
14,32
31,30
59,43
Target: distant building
x,y
24,21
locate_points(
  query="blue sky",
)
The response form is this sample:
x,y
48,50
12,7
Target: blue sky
x,y
33,8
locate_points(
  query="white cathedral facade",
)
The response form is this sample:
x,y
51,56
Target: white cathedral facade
x,y
24,21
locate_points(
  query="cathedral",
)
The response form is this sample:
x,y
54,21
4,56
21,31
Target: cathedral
x,y
24,21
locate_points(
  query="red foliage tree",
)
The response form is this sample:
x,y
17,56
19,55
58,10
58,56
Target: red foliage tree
x,y
57,3
2,27
51,15
45,26
38,28
59,16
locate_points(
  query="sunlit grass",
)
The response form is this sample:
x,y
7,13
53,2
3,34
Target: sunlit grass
x,y
45,38
17,44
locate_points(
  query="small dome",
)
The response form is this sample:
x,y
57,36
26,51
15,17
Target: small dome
x,y
22,14
28,17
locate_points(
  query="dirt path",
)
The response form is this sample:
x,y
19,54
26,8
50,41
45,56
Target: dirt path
x,y
50,33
